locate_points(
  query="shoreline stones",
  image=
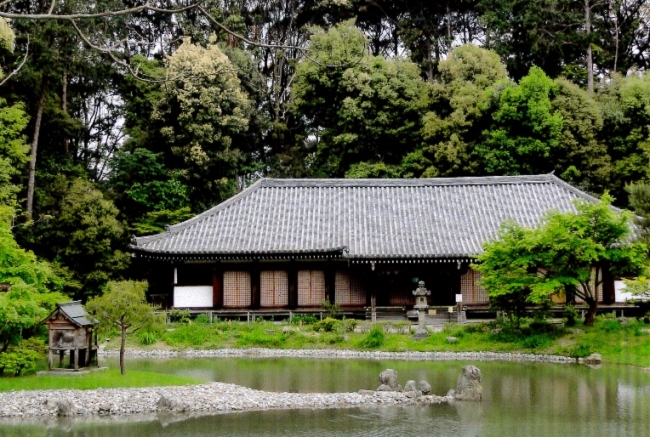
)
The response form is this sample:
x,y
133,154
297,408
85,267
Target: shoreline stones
x,y
345,354
210,398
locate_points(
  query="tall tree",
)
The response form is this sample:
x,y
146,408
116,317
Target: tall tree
x,y
524,130
356,107
453,126
201,110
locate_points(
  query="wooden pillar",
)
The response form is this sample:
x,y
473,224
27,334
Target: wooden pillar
x,y
217,287
292,276
50,359
609,292
61,353
255,286
330,282
76,359
89,346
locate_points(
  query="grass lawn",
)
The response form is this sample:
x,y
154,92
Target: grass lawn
x,y
619,344
110,378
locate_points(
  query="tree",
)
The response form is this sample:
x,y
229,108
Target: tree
x,y
355,107
29,287
524,130
569,252
580,157
13,150
82,233
124,305
626,129
453,127
202,108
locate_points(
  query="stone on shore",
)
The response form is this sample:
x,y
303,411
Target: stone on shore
x,y
410,386
424,387
166,403
62,407
594,359
388,381
469,386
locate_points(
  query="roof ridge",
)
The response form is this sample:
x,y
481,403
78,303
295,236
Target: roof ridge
x,y
398,182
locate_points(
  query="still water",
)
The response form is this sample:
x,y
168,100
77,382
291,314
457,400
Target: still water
x,y
520,399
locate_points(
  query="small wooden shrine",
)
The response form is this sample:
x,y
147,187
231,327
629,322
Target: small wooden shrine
x,y
71,329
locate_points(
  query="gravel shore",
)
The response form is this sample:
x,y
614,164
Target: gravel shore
x,y
214,397
222,398
346,354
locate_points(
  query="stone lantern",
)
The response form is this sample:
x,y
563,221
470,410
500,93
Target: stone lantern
x,y
421,306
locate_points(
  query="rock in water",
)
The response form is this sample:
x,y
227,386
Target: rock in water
x,y
388,378
424,387
469,386
170,404
410,386
594,359
64,408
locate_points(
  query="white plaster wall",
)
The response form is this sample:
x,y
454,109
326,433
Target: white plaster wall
x,y
195,296
619,291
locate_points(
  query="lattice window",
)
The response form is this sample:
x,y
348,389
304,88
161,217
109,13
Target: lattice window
x,y
236,289
472,292
349,290
311,287
274,288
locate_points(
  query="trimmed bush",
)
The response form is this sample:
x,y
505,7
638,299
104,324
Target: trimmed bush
x,y
374,339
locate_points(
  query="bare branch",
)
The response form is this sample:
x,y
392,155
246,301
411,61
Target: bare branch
x,y
121,12
111,54
17,69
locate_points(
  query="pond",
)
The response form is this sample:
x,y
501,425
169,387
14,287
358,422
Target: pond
x,y
520,399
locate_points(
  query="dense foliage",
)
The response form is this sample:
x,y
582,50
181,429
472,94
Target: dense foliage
x,y
124,123
570,253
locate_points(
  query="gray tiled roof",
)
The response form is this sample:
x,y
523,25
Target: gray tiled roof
x,y
75,312
364,218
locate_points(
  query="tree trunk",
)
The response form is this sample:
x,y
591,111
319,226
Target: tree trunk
x,y
64,105
32,160
590,61
591,312
122,348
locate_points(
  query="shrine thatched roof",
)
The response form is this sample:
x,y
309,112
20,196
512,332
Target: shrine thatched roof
x,y
363,218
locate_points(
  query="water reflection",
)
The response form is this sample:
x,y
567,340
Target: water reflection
x,y
519,400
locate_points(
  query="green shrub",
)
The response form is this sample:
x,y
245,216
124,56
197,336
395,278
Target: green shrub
x,y
571,315
610,325
332,338
332,309
536,341
327,325
260,339
348,325
454,330
188,335
306,319
202,318
19,361
147,338
179,316
581,350
374,339
475,328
